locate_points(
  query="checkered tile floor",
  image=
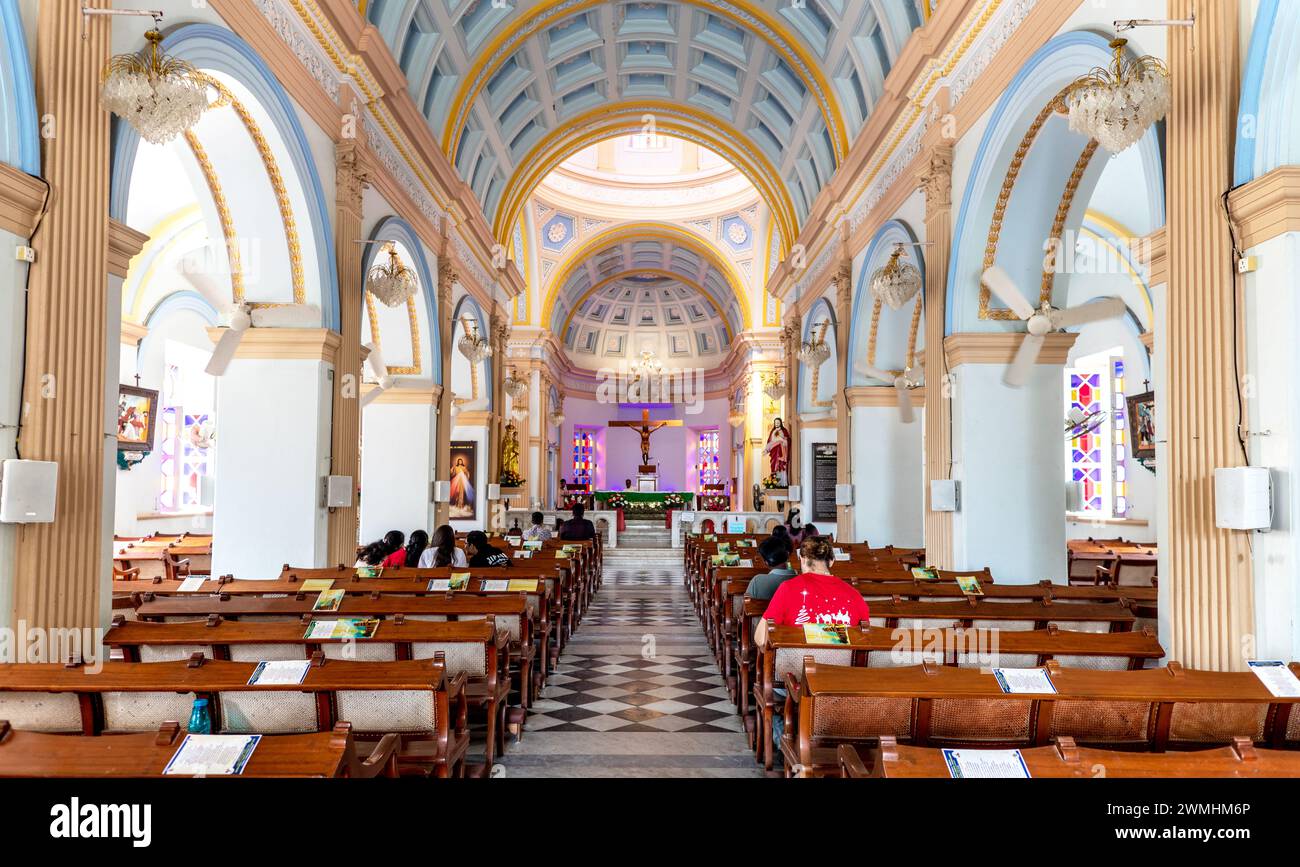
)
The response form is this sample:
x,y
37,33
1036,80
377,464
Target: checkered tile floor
x,y
637,692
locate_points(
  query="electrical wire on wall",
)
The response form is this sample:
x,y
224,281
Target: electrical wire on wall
x,y
1236,363
22,364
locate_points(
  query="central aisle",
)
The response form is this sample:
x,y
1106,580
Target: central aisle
x,y
637,693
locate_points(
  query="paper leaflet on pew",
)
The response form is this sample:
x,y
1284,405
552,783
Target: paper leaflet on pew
x,y
328,600
494,585
825,633
1034,681
212,755
1277,677
192,584
986,764
343,628
316,585
280,672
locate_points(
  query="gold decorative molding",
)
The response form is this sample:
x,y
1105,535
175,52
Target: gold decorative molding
x,y
21,196
1267,206
133,333
865,396
285,344
1001,348
223,215
123,245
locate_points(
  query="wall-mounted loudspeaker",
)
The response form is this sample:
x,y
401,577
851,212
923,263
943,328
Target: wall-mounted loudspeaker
x,y
28,491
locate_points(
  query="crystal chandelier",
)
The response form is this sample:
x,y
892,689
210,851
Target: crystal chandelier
x,y
392,282
514,386
556,418
472,346
648,365
160,96
773,385
736,417
1116,106
815,352
897,281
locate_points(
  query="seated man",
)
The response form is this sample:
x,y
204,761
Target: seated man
x,y
481,553
627,484
776,554
577,528
538,532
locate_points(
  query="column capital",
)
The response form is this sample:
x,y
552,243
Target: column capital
x,y
285,344
1001,347
352,172
936,177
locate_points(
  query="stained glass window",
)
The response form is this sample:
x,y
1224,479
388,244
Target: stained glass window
x,y
1087,455
185,432
1096,459
707,459
584,456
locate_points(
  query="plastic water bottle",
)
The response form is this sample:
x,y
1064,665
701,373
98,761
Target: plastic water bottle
x,y
200,719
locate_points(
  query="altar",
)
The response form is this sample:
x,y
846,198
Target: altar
x,y
647,504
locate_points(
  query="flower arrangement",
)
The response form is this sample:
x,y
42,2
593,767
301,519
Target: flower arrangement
x,y
617,501
510,479
773,481
674,500
715,503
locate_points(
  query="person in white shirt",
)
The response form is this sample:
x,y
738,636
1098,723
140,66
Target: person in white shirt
x,y
538,532
442,551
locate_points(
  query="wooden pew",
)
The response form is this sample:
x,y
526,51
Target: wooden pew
x,y
411,698
880,647
474,648
320,754
1067,760
510,611
933,705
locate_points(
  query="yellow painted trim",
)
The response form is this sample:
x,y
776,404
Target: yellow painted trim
x,y
160,238
639,232
657,272
606,122
544,14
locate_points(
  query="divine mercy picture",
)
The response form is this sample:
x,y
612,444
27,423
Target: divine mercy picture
x,y
464,457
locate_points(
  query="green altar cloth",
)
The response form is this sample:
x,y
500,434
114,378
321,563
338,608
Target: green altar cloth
x,y
644,496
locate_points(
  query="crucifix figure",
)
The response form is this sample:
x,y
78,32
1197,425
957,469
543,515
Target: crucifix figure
x,y
645,428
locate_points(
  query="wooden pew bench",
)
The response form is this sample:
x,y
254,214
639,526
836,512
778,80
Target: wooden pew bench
x,y
474,648
412,698
321,754
933,705
1067,760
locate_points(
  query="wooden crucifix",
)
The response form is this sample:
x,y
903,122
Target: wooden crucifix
x,y
645,428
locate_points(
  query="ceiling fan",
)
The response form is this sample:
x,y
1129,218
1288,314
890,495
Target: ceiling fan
x,y
245,316
1079,422
1042,321
910,378
379,370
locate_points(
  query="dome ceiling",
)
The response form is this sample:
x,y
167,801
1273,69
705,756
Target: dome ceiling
x,y
778,89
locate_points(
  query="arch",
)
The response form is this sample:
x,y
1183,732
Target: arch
x,y
394,228
210,47
1268,127
878,252
476,312
742,13
665,232
809,398
673,119
1035,86
20,141
654,272
185,300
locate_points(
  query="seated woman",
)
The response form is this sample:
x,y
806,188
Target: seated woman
x,y
481,553
443,551
372,555
394,543
538,532
415,548
814,595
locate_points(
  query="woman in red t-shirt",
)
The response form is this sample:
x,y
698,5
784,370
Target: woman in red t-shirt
x,y
815,596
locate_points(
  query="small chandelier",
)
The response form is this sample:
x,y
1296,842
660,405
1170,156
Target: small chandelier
x,y
815,352
160,96
556,418
1116,106
648,365
773,385
736,417
392,282
472,346
897,282
514,386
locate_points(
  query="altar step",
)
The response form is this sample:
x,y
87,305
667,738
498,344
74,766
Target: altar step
x,y
645,534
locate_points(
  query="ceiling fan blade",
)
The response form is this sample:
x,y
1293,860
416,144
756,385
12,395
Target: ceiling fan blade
x,y
375,361
1093,311
1026,357
905,413
1001,285
873,372
225,352
369,396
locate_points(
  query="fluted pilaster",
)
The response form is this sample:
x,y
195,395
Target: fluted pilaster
x,y
790,347
936,180
843,415
61,568
345,447
1210,587
447,278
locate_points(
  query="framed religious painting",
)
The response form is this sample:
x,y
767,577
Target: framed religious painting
x,y
1142,425
464,468
137,418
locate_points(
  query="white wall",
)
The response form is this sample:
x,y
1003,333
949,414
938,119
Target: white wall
x,y
888,478
397,448
13,316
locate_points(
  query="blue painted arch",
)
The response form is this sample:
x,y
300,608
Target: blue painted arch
x,y
394,228
20,141
1062,60
1268,128
878,252
467,304
215,48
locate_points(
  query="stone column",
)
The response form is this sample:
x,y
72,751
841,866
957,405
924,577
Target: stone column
x,y
61,569
500,333
790,339
447,278
936,181
1210,589
345,460
843,415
